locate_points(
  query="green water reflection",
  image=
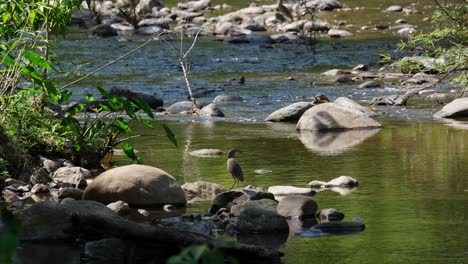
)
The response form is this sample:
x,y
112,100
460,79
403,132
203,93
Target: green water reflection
x,y
412,197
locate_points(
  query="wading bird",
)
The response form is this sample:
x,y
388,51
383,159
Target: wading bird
x,y
234,168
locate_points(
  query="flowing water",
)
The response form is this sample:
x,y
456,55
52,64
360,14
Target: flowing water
x,y
413,193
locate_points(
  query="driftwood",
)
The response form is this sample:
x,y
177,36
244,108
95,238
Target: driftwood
x,y
161,242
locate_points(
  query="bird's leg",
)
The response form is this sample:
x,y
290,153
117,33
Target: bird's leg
x,y
235,181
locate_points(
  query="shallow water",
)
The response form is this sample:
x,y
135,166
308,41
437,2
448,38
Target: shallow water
x,y
413,190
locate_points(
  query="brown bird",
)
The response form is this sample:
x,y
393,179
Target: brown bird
x,y
284,10
234,168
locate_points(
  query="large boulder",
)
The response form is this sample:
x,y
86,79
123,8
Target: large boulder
x,y
180,107
352,105
258,220
137,185
152,100
103,31
211,110
456,108
290,113
297,206
330,116
225,98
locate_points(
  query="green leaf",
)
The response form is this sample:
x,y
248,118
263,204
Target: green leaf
x,y
52,90
76,109
90,98
130,152
35,59
170,134
143,105
128,107
65,96
123,125
147,123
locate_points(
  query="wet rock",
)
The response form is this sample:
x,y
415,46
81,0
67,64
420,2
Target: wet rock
x,y
266,204
120,207
297,206
330,215
160,22
252,39
124,28
369,84
353,106
10,196
143,212
339,33
342,181
281,191
203,153
401,21
103,31
180,107
211,110
335,72
40,188
192,225
229,198
442,98
67,192
290,113
275,240
153,101
330,116
150,30
108,250
202,190
258,220
456,108
184,15
394,8
137,185
73,175
11,181
51,220
225,99
169,208
340,228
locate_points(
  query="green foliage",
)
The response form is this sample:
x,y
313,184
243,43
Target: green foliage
x,y
10,229
203,254
446,44
3,168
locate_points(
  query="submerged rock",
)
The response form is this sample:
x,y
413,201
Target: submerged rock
x,y
137,185
340,228
203,153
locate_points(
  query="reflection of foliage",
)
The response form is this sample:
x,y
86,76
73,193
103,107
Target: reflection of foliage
x,y
9,230
204,254
446,45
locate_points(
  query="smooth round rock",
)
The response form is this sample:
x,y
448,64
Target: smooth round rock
x,y
137,185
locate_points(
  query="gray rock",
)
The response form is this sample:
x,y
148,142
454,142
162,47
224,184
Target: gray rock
x,y
50,165
394,8
406,31
73,175
196,226
224,99
266,204
290,113
150,30
203,153
361,67
343,79
108,250
180,107
330,215
330,117
202,190
258,220
137,185
146,6
143,212
103,31
353,106
229,198
211,110
456,108
279,191
325,5
194,5
339,33
342,181
152,100
160,22
297,206
67,192
40,176
369,84
387,100
120,207
124,28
